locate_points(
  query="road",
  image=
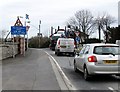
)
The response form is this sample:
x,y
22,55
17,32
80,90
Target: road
x,y
35,72
32,72
104,83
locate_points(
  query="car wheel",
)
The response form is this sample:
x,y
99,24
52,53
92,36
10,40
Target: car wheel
x,y
86,75
58,53
75,67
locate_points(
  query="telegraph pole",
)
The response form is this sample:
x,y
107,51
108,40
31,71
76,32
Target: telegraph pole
x,y
39,33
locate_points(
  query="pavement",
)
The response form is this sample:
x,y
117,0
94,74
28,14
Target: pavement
x,y
33,71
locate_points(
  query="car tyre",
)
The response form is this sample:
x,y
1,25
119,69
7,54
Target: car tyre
x,y
86,74
75,67
58,53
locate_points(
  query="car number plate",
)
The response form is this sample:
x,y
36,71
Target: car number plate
x,y
110,61
63,46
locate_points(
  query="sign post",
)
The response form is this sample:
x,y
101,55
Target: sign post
x,y
18,29
77,38
13,47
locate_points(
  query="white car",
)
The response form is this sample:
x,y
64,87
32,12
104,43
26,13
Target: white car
x,y
98,59
65,45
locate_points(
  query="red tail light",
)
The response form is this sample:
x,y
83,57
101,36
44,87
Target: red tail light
x,y
92,59
74,44
59,44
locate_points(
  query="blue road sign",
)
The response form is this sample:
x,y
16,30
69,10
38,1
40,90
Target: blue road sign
x,y
77,39
18,30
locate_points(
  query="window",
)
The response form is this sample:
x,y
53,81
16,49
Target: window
x,y
82,50
87,50
105,50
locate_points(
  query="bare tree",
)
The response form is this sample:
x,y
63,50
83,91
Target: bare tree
x,y
72,22
83,19
2,35
103,23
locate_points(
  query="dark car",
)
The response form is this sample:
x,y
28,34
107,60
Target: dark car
x,y
54,41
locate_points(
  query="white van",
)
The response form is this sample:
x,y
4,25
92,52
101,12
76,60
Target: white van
x,y
65,45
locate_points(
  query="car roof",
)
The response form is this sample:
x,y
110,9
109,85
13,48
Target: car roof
x,y
65,38
57,35
102,44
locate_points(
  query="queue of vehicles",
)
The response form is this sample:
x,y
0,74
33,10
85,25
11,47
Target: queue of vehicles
x,y
93,59
62,44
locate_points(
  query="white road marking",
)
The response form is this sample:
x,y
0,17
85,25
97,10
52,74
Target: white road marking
x,y
59,78
67,81
112,89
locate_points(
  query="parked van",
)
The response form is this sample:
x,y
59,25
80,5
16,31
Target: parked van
x,y
65,45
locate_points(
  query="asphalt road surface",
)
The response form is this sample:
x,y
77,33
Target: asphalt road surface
x,y
97,83
32,72
35,72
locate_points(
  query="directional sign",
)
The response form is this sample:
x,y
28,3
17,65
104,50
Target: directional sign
x,y
18,30
77,39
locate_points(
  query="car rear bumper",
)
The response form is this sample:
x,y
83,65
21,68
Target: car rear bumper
x,y
67,50
93,69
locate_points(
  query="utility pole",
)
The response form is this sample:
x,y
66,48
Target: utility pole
x,y
39,33
99,29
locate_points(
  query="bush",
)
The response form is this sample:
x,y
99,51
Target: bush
x,y
34,42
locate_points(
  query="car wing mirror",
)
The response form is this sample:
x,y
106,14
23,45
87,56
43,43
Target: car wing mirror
x,y
77,54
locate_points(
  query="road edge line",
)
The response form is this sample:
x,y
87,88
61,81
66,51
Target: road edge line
x,y
65,78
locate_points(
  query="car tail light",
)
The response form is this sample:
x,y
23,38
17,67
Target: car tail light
x,y
74,44
92,59
59,44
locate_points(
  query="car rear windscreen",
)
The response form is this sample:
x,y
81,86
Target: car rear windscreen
x,y
69,42
106,50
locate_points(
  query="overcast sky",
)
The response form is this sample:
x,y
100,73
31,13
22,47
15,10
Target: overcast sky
x,y
51,12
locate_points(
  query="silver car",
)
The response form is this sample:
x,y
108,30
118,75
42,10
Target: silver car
x,y
98,59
